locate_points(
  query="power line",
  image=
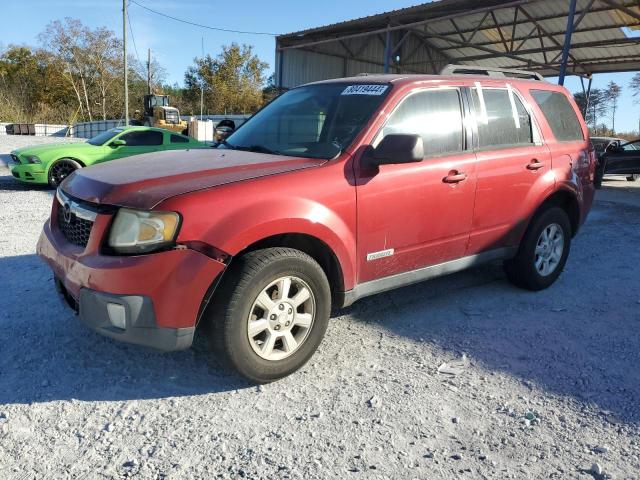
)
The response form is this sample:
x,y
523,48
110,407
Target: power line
x,y
135,48
203,26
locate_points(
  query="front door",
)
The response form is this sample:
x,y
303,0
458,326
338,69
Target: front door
x,y
624,160
418,214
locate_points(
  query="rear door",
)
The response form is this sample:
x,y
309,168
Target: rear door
x,y
512,164
409,215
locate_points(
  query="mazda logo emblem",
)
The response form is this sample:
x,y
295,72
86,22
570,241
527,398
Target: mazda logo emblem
x,y
66,213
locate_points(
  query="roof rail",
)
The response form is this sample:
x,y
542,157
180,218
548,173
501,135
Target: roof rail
x,y
490,71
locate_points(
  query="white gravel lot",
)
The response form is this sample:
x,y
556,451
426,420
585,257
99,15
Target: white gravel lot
x,y
370,403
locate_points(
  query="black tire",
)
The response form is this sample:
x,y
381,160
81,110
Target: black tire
x,y
227,317
60,170
521,270
599,174
633,178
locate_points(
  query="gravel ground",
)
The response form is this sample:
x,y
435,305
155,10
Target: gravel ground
x,y
542,385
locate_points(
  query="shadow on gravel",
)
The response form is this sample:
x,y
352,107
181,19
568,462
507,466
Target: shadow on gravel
x,y
46,354
580,338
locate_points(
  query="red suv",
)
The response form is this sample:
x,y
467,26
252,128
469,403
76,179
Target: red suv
x,y
334,191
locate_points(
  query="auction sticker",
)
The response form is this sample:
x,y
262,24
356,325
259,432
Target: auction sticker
x,y
364,90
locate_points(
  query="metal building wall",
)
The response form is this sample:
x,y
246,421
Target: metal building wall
x,y
355,56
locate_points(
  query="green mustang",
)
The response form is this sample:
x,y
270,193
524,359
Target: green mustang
x,y
53,163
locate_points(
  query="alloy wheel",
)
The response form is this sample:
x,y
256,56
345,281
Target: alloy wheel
x,y
281,318
549,249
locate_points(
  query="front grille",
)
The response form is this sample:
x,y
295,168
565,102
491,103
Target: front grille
x,y
76,230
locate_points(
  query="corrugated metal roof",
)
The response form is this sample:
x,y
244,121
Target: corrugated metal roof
x,y
493,33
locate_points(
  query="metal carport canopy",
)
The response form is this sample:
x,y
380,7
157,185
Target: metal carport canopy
x,y
604,36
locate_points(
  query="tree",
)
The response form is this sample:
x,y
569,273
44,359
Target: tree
x,y
155,73
596,106
611,96
31,87
232,81
92,64
634,86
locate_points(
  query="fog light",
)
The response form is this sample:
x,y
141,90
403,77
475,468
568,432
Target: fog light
x,y
117,315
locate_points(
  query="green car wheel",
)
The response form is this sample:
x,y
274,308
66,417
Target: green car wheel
x,y
61,170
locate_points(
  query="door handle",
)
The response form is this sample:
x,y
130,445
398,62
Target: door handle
x,y
535,164
454,177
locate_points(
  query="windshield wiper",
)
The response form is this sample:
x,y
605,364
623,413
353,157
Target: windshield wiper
x,y
258,149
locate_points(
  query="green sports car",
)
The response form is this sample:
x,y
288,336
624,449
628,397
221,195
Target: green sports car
x,y
51,164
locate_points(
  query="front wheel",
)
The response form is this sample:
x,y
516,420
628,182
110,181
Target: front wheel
x,y
60,170
270,313
543,251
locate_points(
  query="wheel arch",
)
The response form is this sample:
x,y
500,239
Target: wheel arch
x,y
51,163
312,246
566,200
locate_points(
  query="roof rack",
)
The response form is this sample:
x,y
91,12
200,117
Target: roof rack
x,y
489,71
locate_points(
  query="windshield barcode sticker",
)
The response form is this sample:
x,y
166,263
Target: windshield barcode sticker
x,y
364,90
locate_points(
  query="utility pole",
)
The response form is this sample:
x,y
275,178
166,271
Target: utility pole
x,y
149,71
202,85
126,67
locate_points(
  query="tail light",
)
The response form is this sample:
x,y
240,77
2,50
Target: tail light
x,y
592,161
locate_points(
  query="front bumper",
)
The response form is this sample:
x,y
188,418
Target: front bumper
x,y
32,172
161,293
132,320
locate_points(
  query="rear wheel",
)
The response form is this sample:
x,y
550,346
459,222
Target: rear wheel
x,y
270,313
634,177
543,251
60,170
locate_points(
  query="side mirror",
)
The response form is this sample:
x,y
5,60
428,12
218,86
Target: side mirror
x,y
118,143
396,148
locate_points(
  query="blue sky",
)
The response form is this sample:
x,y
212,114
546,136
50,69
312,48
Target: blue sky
x,y
175,44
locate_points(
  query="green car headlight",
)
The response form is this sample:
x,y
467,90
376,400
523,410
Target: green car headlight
x,y
33,159
139,231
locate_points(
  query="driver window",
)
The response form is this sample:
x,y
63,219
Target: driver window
x,y
142,138
435,115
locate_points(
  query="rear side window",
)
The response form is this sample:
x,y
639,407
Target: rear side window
x,y
142,139
559,114
435,115
502,119
179,139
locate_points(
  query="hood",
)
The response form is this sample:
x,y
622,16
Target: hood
x,y
145,180
46,149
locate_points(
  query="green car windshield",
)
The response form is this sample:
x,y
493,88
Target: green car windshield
x,y
104,137
315,121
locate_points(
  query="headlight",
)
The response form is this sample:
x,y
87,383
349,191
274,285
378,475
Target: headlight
x,y
33,159
138,231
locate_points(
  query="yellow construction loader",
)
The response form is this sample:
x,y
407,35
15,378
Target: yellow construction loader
x,y
158,113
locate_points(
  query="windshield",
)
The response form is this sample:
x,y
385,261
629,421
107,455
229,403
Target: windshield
x,y
316,121
104,137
